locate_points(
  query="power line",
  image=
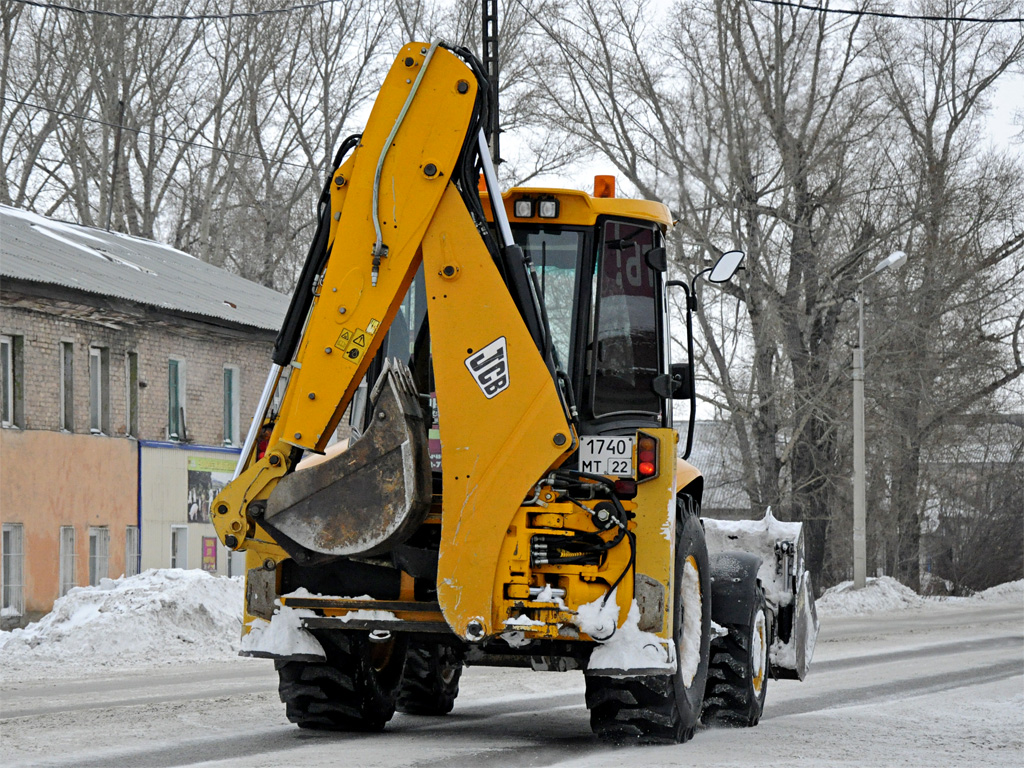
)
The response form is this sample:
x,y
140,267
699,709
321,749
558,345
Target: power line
x,y
886,15
177,17
150,133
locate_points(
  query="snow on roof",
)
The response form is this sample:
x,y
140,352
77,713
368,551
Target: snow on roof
x,y
42,250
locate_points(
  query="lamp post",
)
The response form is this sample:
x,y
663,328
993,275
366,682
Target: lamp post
x,y
894,260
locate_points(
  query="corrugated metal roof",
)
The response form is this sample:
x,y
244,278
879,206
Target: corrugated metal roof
x,y
716,454
41,250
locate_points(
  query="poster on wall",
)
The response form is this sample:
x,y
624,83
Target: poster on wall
x,y
210,554
207,475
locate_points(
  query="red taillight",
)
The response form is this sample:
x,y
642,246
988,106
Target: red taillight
x,y
625,489
646,457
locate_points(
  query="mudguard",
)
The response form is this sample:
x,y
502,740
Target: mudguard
x,y
732,577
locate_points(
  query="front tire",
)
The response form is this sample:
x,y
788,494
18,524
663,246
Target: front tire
x,y
354,689
665,709
738,677
431,679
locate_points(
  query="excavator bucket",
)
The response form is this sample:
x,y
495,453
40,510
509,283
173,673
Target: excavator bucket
x,y
369,497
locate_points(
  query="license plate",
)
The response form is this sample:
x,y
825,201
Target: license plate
x,y
607,455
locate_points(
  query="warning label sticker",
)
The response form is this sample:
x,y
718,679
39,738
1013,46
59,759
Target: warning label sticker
x,y
372,326
343,340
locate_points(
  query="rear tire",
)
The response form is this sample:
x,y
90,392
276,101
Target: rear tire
x,y
665,709
430,683
354,689
738,676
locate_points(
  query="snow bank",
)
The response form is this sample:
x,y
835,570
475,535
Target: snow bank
x,y
1011,590
886,594
879,594
157,617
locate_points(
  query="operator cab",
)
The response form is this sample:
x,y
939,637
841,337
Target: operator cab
x,y
600,264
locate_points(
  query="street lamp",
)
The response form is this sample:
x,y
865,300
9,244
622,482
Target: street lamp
x,y
894,260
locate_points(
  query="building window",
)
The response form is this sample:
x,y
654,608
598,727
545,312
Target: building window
x,y
231,410
176,400
99,390
67,559
13,570
236,562
67,386
132,553
11,378
131,375
179,546
99,548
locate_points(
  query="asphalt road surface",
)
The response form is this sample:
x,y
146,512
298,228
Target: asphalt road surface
x,y
940,686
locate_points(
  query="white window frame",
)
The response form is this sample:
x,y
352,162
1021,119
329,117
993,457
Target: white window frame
x,y
12,570
132,553
99,390
182,531
182,408
7,381
232,410
99,554
131,400
68,560
67,386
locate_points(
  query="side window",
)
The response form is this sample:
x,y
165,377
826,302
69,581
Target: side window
x,y
555,253
176,399
67,386
11,381
99,390
131,376
625,352
231,409
99,548
131,550
13,570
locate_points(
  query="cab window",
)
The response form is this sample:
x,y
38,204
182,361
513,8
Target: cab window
x,y
624,348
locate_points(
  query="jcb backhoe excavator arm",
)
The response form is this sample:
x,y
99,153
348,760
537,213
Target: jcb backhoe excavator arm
x,y
401,200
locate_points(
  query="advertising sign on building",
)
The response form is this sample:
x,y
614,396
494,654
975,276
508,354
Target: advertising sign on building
x,y
210,554
207,475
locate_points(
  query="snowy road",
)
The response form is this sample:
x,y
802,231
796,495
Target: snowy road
x,y
941,685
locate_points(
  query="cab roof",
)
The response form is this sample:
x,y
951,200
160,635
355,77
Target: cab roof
x,y
578,208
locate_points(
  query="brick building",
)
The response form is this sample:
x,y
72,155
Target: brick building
x,y
130,372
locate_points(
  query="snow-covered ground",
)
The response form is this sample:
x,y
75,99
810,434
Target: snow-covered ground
x,y
142,672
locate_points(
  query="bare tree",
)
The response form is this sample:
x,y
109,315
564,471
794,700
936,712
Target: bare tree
x,y
958,319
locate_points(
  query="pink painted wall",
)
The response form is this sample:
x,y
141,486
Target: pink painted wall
x,y
50,479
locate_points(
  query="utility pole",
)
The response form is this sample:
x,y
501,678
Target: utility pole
x,y
490,44
894,260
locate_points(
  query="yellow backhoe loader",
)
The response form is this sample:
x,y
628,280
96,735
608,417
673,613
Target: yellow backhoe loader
x,y
511,493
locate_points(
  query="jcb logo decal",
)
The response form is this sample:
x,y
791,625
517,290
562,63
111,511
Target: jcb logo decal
x,y
489,368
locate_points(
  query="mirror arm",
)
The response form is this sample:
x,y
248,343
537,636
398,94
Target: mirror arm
x,y
691,305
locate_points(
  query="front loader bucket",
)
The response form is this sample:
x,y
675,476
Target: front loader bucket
x,y
369,497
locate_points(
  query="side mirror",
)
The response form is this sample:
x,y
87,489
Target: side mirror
x,y
726,267
676,385
657,259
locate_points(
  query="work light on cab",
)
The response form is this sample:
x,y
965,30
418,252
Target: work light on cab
x,y
524,208
646,457
547,209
